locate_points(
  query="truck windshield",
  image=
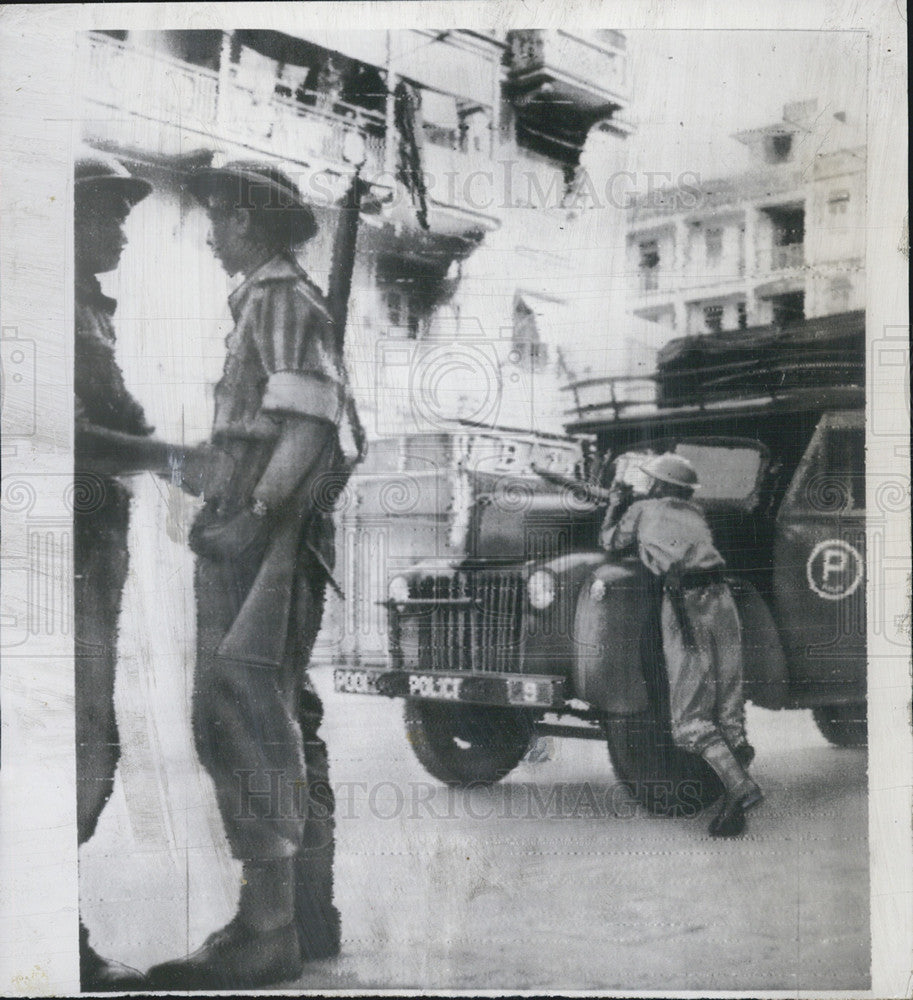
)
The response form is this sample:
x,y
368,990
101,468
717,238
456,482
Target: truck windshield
x,y
724,472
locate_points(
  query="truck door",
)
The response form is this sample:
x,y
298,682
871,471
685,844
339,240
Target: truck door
x,y
819,565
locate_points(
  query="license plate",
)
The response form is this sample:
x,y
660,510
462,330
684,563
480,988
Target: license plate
x,y
480,689
355,681
428,686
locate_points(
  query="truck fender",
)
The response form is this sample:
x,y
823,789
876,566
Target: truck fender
x,y
607,625
764,669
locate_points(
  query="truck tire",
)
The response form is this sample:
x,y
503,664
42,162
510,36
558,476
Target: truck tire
x,y
665,780
843,725
467,744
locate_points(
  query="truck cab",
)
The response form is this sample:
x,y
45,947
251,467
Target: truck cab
x,y
531,628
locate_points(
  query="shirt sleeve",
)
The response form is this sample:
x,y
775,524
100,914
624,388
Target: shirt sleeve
x,y
624,535
293,334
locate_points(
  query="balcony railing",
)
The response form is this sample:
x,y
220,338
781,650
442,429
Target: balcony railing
x,y
171,97
648,280
787,257
148,83
301,130
160,88
588,66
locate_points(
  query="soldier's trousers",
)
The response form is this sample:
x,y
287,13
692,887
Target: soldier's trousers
x,y
100,571
705,677
256,730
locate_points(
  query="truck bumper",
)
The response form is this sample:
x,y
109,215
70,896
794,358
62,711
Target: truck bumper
x,y
517,691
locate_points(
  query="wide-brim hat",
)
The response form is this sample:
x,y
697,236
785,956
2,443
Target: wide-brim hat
x,y
97,171
237,178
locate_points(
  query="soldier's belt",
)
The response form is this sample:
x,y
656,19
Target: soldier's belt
x,y
693,580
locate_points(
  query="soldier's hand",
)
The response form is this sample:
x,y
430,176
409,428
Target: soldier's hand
x,y
621,496
189,466
244,536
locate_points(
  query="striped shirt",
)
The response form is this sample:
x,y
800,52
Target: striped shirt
x,y
280,359
281,363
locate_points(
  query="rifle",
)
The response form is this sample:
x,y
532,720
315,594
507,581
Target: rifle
x,y
338,292
590,491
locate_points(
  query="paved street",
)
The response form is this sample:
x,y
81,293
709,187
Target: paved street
x,y
520,886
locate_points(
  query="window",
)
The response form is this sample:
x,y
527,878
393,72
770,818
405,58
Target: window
x,y
394,308
714,242
649,265
788,308
837,202
834,480
741,311
724,472
787,236
780,148
844,462
713,319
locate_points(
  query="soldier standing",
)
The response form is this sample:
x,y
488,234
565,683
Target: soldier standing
x,y
264,547
112,439
700,629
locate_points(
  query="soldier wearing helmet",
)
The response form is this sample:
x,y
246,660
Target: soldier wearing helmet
x,y
112,439
700,629
264,547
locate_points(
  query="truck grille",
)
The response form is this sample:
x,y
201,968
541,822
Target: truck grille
x,y
478,631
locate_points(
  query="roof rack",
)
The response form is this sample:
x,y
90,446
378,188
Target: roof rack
x,y
743,370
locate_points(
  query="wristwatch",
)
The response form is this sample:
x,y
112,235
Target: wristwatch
x,y
259,509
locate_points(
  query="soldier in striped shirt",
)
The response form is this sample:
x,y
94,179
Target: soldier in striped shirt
x,y
264,547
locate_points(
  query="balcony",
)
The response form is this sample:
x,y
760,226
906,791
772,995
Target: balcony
x,y
648,281
146,83
787,257
308,131
160,105
561,85
590,75
192,104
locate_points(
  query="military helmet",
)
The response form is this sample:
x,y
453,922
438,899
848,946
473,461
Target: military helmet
x,y
97,171
672,469
239,178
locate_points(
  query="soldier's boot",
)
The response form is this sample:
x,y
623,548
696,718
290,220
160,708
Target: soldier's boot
x,y
741,793
316,918
744,754
101,975
258,948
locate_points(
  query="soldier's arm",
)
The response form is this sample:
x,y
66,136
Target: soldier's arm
x,y
293,335
622,536
300,454
108,452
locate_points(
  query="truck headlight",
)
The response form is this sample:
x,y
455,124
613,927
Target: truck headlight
x,y
541,589
398,589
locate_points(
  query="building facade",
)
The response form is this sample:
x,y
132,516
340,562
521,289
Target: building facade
x,y
782,242
494,123
464,281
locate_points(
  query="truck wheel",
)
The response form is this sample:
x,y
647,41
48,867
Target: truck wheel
x,y
843,725
467,744
664,779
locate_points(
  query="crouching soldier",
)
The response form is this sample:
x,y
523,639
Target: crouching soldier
x,y
700,629
264,547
